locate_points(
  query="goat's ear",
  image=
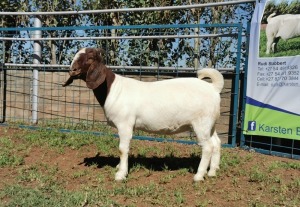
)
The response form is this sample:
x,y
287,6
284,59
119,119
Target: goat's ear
x,y
95,76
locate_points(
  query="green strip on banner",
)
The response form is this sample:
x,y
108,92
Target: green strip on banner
x,y
268,122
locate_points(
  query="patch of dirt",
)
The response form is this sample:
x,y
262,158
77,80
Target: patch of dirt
x,y
233,185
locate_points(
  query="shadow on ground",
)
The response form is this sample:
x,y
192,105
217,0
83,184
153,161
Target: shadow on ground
x,y
153,163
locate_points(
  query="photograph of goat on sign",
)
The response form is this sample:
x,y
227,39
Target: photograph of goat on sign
x,y
280,31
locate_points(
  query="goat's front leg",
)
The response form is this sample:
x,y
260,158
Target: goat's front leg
x,y
125,135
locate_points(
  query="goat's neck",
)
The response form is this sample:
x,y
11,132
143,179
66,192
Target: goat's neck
x,y
102,91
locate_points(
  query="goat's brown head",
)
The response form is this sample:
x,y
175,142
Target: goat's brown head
x,y
88,65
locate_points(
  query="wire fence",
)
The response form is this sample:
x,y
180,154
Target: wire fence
x,y
145,52
76,108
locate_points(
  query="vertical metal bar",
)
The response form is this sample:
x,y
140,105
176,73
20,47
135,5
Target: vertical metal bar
x,y
196,46
158,53
236,88
293,147
4,85
35,76
244,89
271,145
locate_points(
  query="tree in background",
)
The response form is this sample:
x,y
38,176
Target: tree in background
x,y
9,21
190,52
56,48
171,51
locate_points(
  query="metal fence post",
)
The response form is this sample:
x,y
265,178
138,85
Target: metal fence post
x,y
35,76
244,88
4,80
236,86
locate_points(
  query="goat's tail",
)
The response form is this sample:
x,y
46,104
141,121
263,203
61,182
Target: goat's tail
x,y
270,16
215,76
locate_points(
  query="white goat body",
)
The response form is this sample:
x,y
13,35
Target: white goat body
x,y
285,26
168,106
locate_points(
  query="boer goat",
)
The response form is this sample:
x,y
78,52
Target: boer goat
x,y
168,106
284,26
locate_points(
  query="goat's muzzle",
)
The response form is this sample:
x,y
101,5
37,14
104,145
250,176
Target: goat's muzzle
x,y
68,82
74,74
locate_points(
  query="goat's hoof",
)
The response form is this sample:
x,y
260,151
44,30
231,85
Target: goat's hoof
x,y
120,176
198,178
212,173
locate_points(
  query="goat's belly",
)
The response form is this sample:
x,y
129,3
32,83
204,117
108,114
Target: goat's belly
x,y
159,128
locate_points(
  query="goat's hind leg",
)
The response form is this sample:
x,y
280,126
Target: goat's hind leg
x,y
270,46
203,132
216,155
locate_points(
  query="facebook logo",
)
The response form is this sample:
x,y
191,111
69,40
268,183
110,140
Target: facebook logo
x,y
251,125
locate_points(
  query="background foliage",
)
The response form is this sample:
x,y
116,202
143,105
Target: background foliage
x,y
189,52
283,7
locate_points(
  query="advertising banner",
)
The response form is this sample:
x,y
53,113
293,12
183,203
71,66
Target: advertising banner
x,y
273,82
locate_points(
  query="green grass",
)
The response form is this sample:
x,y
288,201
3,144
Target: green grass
x,y
8,153
10,159
54,139
289,47
41,196
160,174
284,165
